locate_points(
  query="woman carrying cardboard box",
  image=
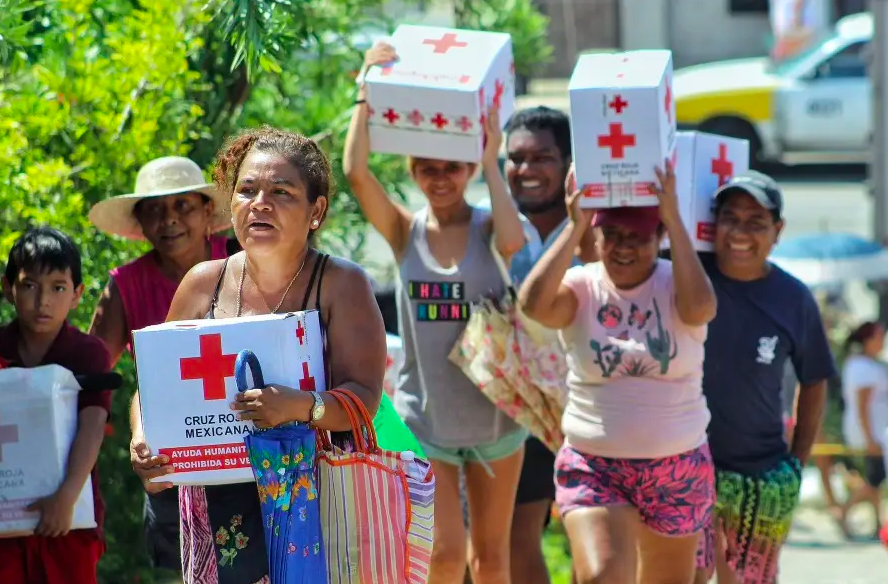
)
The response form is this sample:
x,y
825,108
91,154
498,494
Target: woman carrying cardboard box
x,y
445,263
278,185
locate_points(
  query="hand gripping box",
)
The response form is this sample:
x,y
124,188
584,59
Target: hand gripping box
x,y
186,383
432,102
38,423
704,162
622,125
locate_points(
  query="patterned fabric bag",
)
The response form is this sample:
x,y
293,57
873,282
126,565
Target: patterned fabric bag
x,y
517,363
377,507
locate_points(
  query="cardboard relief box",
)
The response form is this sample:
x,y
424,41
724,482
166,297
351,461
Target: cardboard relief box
x,y
186,382
38,423
433,101
622,125
704,162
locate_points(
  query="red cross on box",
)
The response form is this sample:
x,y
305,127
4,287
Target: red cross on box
x,y
307,383
439,120
617,104
616,140
667,102
498,89
415,117
464,123
445,43
300,333
721,166
212,367
391,115
8,435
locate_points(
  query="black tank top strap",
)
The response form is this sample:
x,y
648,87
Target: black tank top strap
x,y
323,262
216,290
311,281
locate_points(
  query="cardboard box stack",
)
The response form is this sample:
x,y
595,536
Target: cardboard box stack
x,y
704,162
622,125
38,422
186,382
432,102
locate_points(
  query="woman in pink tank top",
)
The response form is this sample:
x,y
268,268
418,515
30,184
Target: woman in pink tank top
x,y
177,211
634,480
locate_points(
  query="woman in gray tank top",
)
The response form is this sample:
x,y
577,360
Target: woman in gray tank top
x,y
445,263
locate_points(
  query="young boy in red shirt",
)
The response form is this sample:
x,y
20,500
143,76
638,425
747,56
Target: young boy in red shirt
x,y
43,281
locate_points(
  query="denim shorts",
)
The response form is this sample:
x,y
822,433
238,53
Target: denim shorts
x,y
481,454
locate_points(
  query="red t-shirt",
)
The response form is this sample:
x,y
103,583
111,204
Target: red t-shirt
x,y
80,353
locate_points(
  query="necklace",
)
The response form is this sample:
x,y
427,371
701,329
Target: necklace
x,y
240,286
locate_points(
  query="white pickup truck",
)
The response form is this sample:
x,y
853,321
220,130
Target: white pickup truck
x,y
814,107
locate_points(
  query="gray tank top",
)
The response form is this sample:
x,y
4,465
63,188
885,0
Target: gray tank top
x,y
434,398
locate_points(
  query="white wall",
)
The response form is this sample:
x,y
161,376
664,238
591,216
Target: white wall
x,y
697,31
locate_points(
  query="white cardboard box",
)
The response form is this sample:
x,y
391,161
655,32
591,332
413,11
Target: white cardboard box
x,y
394,360
186,383
431,103
622,125
704,162
38,422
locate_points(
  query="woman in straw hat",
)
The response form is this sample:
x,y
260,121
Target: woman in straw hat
x,y
176,210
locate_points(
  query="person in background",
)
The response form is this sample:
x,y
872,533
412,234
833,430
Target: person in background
x,y
43,282
634,479
765,317
278,184
538,151
178,212
865,419
445,263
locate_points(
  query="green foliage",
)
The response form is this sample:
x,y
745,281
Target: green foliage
x,y
520,18
90,90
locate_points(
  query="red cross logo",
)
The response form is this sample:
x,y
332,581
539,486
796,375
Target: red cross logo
x,y
499,88
721,166
464,123
667,102
483,104
415,117
307,383
617,141
465,78
212,367
8,435
617,104
300,333
391,115
439,120
445,43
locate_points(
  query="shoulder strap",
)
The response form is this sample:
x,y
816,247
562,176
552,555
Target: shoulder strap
x,y
218,287
311,281
324,259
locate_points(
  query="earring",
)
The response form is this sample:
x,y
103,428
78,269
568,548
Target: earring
x,y
314,223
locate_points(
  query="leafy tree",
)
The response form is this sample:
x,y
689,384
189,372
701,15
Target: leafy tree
x,y
90,90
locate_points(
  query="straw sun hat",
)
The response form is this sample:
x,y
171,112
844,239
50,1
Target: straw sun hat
x,y
171,175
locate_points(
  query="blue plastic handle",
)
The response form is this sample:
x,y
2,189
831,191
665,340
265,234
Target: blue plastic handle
x,y
247,360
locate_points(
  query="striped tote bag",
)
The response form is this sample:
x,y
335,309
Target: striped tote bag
x,y
377,506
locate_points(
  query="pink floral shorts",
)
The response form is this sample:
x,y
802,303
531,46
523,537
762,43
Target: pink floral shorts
x,y
674,495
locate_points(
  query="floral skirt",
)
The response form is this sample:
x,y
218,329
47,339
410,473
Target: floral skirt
x,y
223,541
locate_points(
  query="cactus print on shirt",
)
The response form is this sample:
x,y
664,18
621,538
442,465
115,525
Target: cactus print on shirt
x,y
635,370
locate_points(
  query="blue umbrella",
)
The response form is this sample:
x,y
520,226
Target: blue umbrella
x,y
283,461
822,259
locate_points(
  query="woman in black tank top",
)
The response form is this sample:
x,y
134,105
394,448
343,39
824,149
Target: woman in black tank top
x,y
279,184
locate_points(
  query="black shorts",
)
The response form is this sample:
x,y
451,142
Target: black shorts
x,y
537,482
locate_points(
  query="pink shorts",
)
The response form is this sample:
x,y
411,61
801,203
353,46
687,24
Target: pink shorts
x,y
674,495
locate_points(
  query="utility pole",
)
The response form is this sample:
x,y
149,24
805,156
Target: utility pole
x,y
878,166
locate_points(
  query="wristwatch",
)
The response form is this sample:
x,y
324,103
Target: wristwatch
x,y
318,409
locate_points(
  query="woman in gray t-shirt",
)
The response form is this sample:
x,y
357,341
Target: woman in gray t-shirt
x,y
445,263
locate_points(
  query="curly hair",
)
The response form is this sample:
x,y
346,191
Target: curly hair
x,y
300,151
